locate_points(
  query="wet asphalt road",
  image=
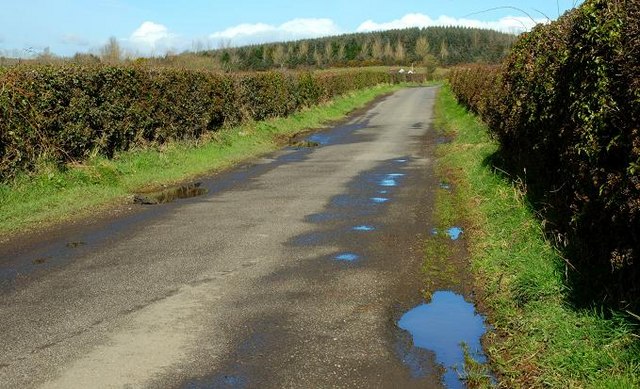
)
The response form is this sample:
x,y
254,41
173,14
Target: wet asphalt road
x,y
291,272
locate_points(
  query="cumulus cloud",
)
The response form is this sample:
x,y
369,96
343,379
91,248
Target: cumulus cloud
x,y
290,30
150,33
153,37
512,24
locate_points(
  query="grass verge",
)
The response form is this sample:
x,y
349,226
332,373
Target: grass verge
x,y
54,194
540,339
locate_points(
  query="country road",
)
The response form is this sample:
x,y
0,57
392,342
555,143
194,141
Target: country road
x,y
291,272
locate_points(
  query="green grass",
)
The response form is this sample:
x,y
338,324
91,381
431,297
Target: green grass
x,y
53,194
540,339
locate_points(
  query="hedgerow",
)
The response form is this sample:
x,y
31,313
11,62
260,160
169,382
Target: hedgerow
x,y
65,113
565,108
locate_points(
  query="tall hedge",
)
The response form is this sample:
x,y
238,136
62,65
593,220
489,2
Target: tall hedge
x,y
565,107
65,113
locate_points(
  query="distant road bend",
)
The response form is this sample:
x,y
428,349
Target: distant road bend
x,y
292,271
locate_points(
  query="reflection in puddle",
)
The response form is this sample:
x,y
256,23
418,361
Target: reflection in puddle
x,y
401,160
323,139
379,200
390,179
304,144
442,326
349,257
445,186
363,228
171,194
453,232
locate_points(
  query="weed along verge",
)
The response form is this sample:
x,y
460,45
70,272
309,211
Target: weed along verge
x,y
540,337
54,192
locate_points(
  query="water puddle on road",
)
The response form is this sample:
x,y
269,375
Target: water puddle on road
x,y
170,194
320,138
443,326
453,233
364,228
347,257
348,219
304,144
391,179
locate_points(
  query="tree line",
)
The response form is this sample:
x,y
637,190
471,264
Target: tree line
x,y
431,46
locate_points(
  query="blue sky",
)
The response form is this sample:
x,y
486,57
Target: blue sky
x,y
153,27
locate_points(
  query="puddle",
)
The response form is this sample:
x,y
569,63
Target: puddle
x,y
171,194
73,245
454,232
441,327
445,186
364,198
320,139
347,257
391,179
363,228
304,144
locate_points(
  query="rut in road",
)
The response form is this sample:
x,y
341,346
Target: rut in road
x,y
291,271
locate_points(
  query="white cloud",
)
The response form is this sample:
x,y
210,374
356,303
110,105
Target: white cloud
x,y
153,38
513,24
290,30
150,34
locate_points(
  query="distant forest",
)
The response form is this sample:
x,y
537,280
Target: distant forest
x,y
431,46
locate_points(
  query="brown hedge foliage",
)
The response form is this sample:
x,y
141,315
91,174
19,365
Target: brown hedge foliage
x,y
65,113
565,107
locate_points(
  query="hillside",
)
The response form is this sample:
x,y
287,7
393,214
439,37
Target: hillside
x,y
432,46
